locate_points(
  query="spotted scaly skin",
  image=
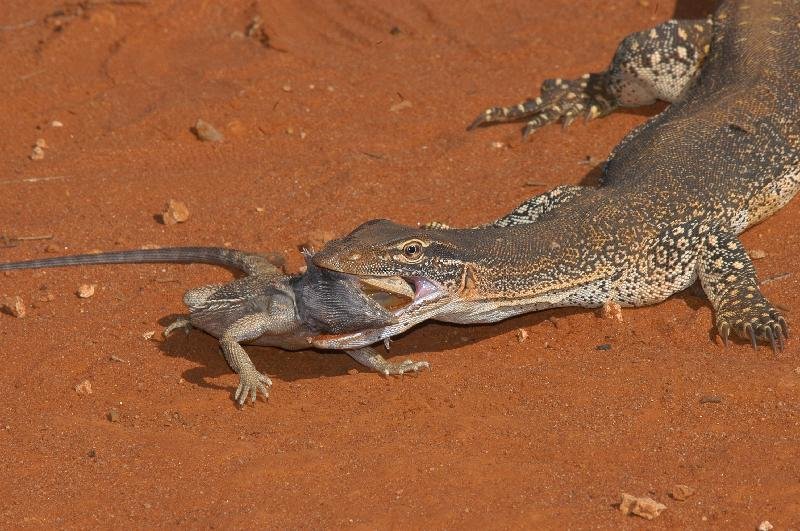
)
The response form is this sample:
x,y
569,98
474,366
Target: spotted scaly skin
x,y
675,193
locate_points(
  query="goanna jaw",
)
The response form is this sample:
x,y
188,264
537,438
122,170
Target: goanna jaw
x,y
430,298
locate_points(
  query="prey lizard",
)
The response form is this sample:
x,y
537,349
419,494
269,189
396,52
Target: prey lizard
x,y
674,194
267,307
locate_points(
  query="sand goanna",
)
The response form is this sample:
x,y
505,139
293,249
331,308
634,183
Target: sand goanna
x,y
267,307
674,194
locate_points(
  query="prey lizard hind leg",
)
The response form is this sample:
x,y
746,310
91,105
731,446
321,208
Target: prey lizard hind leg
x,y
729,280
193,299
659,63
370,358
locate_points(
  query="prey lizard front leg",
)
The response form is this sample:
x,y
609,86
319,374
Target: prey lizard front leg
x,y
730,282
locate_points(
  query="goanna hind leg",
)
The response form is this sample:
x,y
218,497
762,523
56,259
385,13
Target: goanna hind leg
x,y
659,63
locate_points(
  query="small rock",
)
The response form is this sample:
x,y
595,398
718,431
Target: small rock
x,y
647,508
113,415
41,143
86,290
352,372
91,453
206,132
174,212
681,492
498,145
604,346
757,254
286,88
149,335
765,526
522,335
46,297
397,107
51,248
394,31
710,399
84,388
317,239
56,123
611,310
14,306
37,153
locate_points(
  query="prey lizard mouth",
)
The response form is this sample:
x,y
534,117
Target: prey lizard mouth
x,y
405,298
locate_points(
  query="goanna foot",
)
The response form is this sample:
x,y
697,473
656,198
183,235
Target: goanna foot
x,y
250,383
755,322
180,322
559,99
368,357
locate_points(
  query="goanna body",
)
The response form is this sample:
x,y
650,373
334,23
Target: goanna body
x,y
675,192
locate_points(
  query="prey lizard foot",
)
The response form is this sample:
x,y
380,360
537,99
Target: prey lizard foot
x,y
180,322
250,383
368,357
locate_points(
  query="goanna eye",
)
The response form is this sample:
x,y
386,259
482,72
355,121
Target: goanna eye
x,y
412,250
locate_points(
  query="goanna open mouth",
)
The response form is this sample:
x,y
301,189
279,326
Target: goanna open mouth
x,y
397,294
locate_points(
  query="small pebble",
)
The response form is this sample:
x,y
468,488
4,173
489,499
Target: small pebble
x,y
611,310
46,297
287,88
37,153
765,526
113,415
206,132
352,372
317,239
174,212
149,335
647,508
405,104
91,453
86,290
757,254
394,31
15,306
51,248
40,143
498,145
604,346
522,335
681,492
56,123
84,388
710,399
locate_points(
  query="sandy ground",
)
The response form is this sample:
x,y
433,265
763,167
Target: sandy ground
x,y
331,117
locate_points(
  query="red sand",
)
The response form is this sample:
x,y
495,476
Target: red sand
x,y
545,433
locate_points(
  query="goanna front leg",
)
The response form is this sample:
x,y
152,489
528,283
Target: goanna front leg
x,y
659,63
250,327
370,358
730,282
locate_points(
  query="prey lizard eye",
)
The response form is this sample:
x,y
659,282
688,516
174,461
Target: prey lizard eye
x,y
412,251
